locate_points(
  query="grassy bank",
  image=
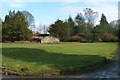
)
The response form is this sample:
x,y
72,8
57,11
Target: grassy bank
x,y
35,59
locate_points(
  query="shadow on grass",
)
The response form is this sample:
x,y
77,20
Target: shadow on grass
x,y
66,63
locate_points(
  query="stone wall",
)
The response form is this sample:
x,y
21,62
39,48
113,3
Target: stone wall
x,y
50,39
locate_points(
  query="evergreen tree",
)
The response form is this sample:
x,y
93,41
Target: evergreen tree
x,y
103,20
60,30
104,30
80,24
0,24
72,26
119,31
104,26
6,26
15,27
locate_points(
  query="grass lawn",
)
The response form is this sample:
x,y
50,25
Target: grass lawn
x,y
37,59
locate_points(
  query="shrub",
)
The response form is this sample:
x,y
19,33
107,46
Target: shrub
x,y
76,38
35,40
109,37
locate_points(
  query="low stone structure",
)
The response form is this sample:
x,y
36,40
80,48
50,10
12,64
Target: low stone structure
x,y
50,39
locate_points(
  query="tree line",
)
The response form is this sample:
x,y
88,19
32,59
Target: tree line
x,y
82,28
19,26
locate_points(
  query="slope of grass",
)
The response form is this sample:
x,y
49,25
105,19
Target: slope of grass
x,y
53,59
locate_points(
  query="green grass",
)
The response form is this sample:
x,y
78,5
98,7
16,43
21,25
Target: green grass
x,y
53,59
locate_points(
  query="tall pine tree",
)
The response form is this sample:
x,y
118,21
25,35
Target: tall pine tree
x,y
15,27
72,26
105,31
80,24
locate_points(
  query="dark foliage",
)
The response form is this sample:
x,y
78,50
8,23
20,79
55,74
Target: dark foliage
x,y
15,27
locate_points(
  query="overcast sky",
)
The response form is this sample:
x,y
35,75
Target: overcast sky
x,y
48,11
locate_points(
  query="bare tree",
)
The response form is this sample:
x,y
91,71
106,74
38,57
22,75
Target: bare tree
x,y
90,16
42,29
30,18
39,29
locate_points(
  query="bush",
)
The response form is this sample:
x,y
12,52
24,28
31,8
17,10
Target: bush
x,y
109,37
35,40
75,38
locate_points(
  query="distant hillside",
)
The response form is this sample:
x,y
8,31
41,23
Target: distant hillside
x,y
115,22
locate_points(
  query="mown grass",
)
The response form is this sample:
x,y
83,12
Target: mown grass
x,y
35,59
